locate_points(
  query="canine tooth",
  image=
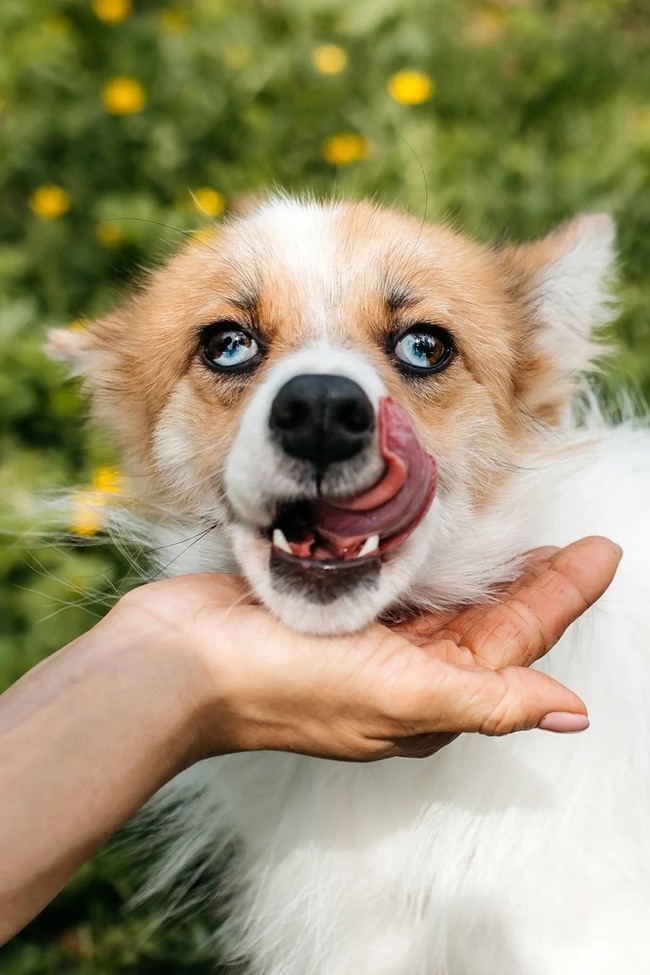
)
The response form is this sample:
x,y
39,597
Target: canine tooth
x,y
280,541
369,546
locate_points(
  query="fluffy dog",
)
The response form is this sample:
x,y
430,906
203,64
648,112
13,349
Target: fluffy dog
x,y
361,414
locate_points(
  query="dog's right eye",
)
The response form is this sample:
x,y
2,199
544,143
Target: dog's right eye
x,y
225,346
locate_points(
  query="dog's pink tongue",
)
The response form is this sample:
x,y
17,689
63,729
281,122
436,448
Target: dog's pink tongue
x,y
399,500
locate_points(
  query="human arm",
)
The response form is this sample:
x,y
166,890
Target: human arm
x,y
190,667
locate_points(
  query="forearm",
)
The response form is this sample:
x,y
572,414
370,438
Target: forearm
x,y
87,737
189,667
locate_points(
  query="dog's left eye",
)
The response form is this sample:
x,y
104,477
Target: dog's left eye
x,y
424,349
227,346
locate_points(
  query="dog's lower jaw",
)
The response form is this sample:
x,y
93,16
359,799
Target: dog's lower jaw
x,y
369,594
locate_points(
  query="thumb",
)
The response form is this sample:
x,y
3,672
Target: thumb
x,y
498,702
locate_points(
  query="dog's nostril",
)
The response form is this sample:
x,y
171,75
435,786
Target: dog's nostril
x,y
322,418
354,417
289,413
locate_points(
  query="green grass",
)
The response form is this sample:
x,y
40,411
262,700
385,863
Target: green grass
x,y
540,109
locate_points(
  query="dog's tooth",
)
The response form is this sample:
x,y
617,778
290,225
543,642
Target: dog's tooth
x,y
280,541
369,546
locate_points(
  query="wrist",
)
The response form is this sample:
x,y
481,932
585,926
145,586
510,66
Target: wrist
x,y
158,672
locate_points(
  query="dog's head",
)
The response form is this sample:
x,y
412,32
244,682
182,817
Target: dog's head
x,y
337,386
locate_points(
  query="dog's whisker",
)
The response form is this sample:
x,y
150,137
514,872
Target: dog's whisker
x,y
197,538
188,234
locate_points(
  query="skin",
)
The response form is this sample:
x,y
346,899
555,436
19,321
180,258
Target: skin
x,y
191,667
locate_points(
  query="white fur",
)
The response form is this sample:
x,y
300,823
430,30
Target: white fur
x,y
571,296
527,855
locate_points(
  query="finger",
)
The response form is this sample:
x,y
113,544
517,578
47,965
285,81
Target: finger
x,y
492,702
426,626
419,746
538,609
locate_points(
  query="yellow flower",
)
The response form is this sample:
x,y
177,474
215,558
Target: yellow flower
x,y
237,55
87,505
411,87
86,517
112,11
108,479
76,325
49,201
123,95
329,58
345,148
209,201
173,20
202,236
109,234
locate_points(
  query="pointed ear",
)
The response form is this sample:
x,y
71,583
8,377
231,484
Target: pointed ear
x,y
92,353
72,346
101,356
564,281
568,272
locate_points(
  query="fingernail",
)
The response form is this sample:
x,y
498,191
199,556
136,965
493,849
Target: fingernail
x,y
564,722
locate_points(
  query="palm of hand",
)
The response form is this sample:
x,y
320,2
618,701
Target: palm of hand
x,y
405,689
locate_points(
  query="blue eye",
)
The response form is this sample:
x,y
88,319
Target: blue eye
x,y
226,347
424,349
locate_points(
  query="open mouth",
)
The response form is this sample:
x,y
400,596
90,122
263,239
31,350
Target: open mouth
x,y
329,546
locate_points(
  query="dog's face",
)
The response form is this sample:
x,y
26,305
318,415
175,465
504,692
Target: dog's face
x,y
336,387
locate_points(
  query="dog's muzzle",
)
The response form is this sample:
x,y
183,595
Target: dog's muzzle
x,y
326,547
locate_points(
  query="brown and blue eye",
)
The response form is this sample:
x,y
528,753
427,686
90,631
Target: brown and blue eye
x,y
226,346
424,349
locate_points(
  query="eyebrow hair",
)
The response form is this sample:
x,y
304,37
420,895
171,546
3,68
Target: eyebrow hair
x,y
398,296
247,301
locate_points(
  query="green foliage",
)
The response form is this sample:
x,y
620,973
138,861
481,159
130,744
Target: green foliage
x,y
541,108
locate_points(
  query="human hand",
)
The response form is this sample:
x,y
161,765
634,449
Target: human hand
x,y
191,667
406,690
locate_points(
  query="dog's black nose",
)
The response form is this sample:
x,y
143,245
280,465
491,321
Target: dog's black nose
x,y
322,419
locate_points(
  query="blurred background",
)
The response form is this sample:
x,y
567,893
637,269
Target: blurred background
x,y
127,125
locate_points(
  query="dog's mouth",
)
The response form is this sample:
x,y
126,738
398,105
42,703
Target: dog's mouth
x,y
318,541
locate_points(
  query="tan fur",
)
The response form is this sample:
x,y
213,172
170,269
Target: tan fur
x,y
145,355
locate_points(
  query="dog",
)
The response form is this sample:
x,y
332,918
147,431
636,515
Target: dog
x,y
365,414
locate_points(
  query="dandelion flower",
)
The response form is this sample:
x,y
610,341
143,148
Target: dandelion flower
x,y
209,201
49,201
123,96
329,59
345,148
411,87
109,234
112,11
202,236
108,479
87,516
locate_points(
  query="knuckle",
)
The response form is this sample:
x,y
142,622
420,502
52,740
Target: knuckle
x,y
503,715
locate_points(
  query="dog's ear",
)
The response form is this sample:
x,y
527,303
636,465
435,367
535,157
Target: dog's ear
x,y
93,353
564,282
101,355
74,347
